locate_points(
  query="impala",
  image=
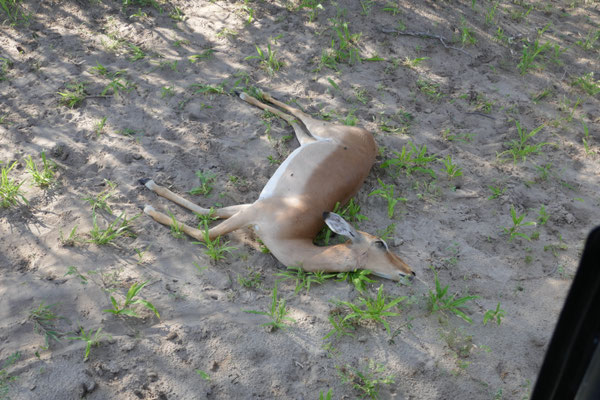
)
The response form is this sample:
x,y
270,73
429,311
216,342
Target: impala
x,y
329,167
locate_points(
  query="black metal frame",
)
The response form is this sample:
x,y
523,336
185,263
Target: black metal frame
x,y
571,363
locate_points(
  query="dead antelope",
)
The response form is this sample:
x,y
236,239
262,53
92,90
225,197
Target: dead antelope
x,y
329,167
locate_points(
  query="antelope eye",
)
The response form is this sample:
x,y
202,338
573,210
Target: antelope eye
x,y
381,244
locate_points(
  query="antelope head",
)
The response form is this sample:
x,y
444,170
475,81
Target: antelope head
x,y
370,252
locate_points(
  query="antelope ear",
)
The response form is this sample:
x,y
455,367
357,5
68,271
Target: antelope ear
x,y
341,227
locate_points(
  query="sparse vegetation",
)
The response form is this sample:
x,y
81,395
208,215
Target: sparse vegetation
x,y
367,381
10,191
43,177
373,309
518,223
520,149
119,227
90,338
44,318
278,312
206,181
440,300
214,248
125,308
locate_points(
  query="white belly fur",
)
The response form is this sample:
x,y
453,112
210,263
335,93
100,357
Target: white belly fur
x,y
272,183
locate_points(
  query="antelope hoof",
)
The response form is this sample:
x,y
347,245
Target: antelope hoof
x,y
149,183
148,209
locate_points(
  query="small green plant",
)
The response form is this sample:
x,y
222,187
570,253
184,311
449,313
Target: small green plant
x,y
268,60
252,280
555,247
542,95
340,326
467,37
411,159
204,375
176,228
5,378
116,86
14,12
531,52
586,137
350,119
176,14
44,319
90,338
100,201
278,312
387,192
359,278
386,233
361,95
543,215
100,126
588,84
205,55
345,48
494,315
398,123
140,253
73,95
70,240
430,89
452,170
136,53
314,6
44,177
72,270
205,219
206,180
214,248
373,309
413,62
440,300
10,191
118,228
490,13
167,91
326,396
103,71
518,223
302,278
125,309
589,42
273,161
368,380
520,149
5,65
392,8
202,88
496,192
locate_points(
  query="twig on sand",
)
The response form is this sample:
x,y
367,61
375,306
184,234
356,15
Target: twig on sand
x,y
424,35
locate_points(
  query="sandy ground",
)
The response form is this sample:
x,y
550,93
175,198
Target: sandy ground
x,y
161,125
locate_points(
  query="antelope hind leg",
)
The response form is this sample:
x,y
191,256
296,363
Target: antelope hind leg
x,y
225,212
303,137
236,221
